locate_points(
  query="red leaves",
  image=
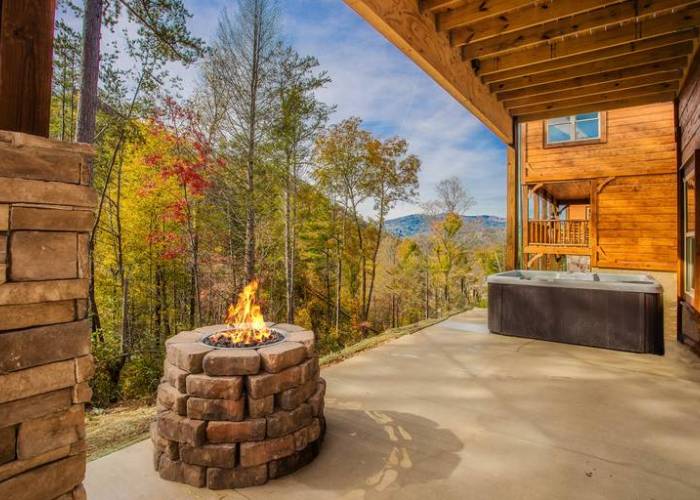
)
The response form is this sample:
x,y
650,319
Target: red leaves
x,y
171,244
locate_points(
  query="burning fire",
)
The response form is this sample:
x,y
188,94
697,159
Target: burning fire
x,y
245,319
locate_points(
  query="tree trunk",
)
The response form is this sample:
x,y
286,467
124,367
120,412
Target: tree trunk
x,y
427,294
90,70
289,243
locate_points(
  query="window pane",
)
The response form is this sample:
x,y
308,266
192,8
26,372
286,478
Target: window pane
x,y
587,129
560,120
690,205
559,133
587,116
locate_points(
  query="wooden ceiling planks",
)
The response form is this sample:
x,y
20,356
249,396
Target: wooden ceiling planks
x,y
539,58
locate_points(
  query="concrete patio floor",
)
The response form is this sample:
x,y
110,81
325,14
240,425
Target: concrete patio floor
x,y
456,412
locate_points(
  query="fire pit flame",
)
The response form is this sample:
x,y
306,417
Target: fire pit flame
x,y
246,321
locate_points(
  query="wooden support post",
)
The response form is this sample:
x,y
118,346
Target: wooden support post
x,y
26,50
511,208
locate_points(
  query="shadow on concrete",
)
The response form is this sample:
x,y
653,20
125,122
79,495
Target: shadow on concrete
x,y
381,451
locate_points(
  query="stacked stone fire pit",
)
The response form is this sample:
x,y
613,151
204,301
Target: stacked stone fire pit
x,y
236,417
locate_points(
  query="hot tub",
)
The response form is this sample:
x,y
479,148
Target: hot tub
x,y
613,311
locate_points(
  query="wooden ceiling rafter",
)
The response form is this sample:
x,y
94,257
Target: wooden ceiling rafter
x,y
581,82
607,16
670,52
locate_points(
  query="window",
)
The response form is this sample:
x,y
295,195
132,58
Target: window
x,y
689,232
574,128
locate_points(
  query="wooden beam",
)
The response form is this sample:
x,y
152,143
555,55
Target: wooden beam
x,y
576,100
619,75
26,53
511,207
476,11
608,86
599,106
413,32
557,250
649,32
552,73
557,28
438,5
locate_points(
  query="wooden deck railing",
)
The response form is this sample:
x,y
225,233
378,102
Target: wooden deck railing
x,y
559,232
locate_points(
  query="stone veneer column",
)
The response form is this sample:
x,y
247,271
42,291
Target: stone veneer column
x,y
46,215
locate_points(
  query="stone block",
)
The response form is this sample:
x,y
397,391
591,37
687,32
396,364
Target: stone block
x,y
282,423
172,470
37,380
3,273
187,356
294,397
170,448
84,368
317,400
21,410
240,477
184,430
156,458
229,362
310,370
287,465
43,255
26,315
288,328
83,255
280,356
175,376
81,309
79,493
38,346
3,248
40,192
82,393
78,447
184,337
172,399
8,444
266,384
17,467
261,407
210,455
315,430
262,452
53,431
236,432
301,438
204,386
4,217
34,292
216,409
47,481
47,219
40,163
306,338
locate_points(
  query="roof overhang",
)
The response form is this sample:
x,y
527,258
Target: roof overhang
x,y
532,60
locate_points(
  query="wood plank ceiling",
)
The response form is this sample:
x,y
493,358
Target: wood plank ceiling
x,y
557,57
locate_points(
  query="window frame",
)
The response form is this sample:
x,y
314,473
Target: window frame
x,y
688,266
602,133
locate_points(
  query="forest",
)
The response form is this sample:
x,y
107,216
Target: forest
x,y
247,177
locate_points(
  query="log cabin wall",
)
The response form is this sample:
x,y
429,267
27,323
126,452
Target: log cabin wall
x,y
688,133
632,170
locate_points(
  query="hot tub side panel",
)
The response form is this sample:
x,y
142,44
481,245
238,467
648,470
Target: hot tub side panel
x,y
598,318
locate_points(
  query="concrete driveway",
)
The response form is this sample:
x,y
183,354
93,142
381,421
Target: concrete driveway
x,y
456,412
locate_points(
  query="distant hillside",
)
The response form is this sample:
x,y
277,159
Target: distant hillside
x,y
415,224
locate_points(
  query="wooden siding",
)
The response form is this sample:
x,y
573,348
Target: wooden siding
x,y
689,115
639,141
636,223
634,185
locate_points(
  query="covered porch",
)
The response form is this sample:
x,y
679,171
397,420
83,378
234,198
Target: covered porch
x,y
456,412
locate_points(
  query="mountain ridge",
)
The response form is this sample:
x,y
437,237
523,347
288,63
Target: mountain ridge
x,y
411,225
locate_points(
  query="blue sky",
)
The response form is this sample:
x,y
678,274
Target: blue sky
x,y
375,81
